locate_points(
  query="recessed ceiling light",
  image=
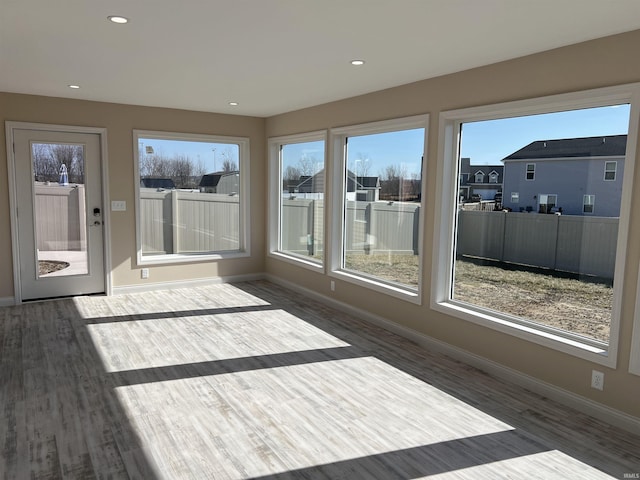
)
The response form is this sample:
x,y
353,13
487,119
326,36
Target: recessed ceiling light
x,y
75,87
357,62
233,104
117,19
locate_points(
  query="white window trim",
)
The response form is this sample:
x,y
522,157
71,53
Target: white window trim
x,y
615,171
517,197
584,204
449,128
275,187
476,175
526,172
337,142
244,227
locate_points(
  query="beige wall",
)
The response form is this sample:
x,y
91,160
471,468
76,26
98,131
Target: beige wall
x,y
120,120
604,62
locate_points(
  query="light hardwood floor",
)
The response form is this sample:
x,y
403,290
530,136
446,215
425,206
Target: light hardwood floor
x,y
254,381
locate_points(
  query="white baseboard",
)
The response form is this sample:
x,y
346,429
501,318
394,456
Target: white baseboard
x,y
570,399
7,301
198,282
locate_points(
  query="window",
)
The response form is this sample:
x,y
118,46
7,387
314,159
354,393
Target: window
x,y
531,171
377,229
547,203
493,177
479,177
550,279
191,196
298,198
587,203
610,170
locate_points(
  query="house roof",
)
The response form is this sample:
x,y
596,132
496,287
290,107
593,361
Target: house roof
x,y
212,179
602,146
150,182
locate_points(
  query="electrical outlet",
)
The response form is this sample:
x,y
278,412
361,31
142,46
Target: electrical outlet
x,y
144,273
597,380
333,286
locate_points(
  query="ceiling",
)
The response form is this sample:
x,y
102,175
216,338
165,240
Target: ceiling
x,y
274,56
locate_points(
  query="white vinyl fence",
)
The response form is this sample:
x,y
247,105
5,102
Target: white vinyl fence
x,y
175,221
568,243
60,217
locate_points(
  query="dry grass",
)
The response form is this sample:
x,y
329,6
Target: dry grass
x,y
569,304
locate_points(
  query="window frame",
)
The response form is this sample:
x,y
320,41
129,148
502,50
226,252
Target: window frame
x,y
450,123
337,143
493,177
515,197
274,145
614,171
592,204
479,175
532,172
244,234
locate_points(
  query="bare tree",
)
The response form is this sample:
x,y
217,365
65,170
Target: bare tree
x,y
49,158
392,182
362,165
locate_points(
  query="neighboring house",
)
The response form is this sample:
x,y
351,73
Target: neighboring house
x,y
157,183
362,189
574,176
481,182
220,182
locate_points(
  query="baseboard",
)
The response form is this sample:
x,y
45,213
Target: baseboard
x,y
570,399
7,301
198,282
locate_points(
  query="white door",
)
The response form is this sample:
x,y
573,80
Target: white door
x,y
59,213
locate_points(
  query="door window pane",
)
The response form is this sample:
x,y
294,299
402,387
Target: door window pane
x,y
59,204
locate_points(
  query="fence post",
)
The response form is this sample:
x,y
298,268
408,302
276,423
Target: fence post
x,y
369,218
311,227
174,220
82,216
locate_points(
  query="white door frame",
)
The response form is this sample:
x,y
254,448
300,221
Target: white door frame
x,y
13,201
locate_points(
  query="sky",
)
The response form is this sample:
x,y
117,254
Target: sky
x,y
211,154
485,142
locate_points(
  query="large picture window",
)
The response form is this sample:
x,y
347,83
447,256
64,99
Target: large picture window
x,y
536,266
381,185
297,164
191,196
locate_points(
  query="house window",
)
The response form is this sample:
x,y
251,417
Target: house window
x,y
508,271
547,203
377,227
531,171
479,177
297,195
588,202
191,196
610,170
493,177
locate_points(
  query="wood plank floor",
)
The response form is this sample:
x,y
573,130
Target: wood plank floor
x,y
254,381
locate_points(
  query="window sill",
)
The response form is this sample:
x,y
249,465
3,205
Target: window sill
x,y
395,290
595,351
300,261
175,258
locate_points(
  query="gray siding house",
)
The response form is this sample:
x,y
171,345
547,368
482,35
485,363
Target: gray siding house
x,y
573,176
483,181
